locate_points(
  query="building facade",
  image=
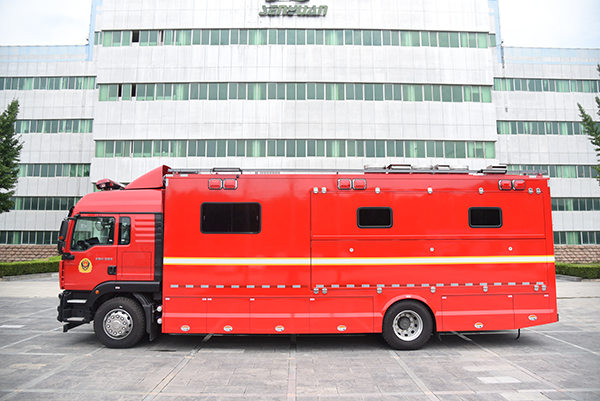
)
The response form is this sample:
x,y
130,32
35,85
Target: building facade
x,y
295,84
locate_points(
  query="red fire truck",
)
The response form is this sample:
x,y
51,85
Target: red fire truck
x,y
395,250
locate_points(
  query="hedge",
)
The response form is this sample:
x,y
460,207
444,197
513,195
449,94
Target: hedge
x,y
584,271
30,267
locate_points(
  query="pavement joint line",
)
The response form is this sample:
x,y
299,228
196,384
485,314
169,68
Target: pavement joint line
x,y
29,338
292,367
29,315
564,342
307,395
413,376
176,370
522,369
49,374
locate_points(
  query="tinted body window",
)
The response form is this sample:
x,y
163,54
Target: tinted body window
x,y
482,217
230,218
374,217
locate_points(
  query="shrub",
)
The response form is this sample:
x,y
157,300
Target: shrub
x,y
590,271
30,267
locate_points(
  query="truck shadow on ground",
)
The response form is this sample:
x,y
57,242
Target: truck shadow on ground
x,y
355,343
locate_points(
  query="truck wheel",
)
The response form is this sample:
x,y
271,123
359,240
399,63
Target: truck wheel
x,y
407,325
119,323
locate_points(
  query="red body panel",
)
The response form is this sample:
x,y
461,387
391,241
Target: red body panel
x,y
471,278
311,269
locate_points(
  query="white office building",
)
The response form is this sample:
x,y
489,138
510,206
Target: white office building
x,y
295,84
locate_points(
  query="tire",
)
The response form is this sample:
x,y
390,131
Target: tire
x,y
120,323
407,325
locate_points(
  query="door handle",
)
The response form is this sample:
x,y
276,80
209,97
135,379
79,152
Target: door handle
x,y
112,270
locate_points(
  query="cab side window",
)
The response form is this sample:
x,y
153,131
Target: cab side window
x,y
92,231
124,230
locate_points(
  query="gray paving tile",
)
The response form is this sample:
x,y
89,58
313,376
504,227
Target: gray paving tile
x,y
554,362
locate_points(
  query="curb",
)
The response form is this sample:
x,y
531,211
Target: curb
x,y
562,277
28,277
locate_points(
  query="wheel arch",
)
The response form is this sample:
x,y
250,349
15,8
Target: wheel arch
x,y
409,297
141,292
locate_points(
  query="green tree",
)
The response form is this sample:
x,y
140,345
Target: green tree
x,y
10,150
592,128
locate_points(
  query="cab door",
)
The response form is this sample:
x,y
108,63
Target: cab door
x,y
92,246
136,247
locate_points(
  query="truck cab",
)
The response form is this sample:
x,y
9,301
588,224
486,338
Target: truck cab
x,y
111,246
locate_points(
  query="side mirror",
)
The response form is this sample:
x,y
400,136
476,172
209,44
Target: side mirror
x,y
62,235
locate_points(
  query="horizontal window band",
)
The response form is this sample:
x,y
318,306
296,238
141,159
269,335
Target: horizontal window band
x,y
296,91
546,85
296,148
539,128
43,203
575,204
28,237
558,171
295,37
79,126
46,170
47,83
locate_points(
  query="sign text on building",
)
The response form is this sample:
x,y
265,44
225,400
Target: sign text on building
x,y
300,11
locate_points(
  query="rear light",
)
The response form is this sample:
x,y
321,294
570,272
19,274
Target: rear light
x,y
215,183
359,183
505,185
518,185
344,183
230,183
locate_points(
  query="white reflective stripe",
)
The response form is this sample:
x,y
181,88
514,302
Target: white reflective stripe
x,y
238,261
358,261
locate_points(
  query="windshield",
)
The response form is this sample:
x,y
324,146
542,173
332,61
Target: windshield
x,y
91,231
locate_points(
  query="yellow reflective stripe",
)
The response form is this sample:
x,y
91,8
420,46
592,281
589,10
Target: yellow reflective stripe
x,y
455,260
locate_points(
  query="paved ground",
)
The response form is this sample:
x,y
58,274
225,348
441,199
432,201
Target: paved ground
x,y
37,361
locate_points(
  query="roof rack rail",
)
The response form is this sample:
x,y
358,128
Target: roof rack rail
x,y
494,169
231,170
388,169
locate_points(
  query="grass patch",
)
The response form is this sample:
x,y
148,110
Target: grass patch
x,y
589,271
37,266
